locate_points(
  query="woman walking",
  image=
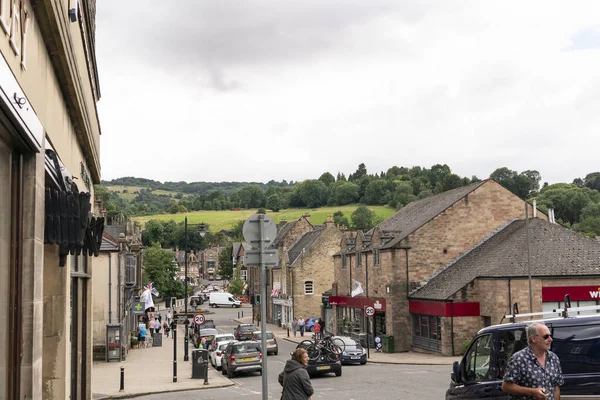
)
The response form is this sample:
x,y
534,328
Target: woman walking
x,y
294,378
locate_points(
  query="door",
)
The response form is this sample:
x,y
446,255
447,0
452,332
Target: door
x,y
477,380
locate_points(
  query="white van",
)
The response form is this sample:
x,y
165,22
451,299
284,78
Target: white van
x,y
217,299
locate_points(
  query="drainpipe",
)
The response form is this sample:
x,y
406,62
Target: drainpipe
x,y
110,288
407,286
367,273
350,269
452,324
119,259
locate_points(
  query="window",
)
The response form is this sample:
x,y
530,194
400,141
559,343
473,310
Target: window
x,y
510,342
308,287
376,257
244,274
477,360
427,332
344,261
577,347
358,260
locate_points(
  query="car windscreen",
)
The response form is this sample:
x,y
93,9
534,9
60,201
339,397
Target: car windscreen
x,y
348,341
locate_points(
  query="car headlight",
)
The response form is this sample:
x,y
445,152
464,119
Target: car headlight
x,y
364,351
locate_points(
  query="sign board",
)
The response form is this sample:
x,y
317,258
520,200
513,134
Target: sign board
x,y
157,340
137,307
180,319
199,319
252,257
370,311
251,231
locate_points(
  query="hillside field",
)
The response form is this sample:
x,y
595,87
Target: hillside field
x,y
219,220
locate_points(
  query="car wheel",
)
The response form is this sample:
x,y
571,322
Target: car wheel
x,y
218,367
260,372
338,373
276,352
230,374
363,362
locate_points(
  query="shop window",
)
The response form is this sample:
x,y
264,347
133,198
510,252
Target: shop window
x,y
427,332
376,257
308,287
358,260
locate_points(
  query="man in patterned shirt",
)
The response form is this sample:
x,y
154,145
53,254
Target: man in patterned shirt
x,y
534,372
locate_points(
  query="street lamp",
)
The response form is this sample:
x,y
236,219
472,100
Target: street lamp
x,y
202,232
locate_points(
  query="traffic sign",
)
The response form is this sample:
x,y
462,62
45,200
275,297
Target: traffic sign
x,y
199,319
251,231
370,311
252,257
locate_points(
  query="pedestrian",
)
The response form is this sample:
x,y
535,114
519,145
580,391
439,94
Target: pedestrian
x,y
294,379
317,330
157,326
151,326
142,337
295,326
166,328
534,372
322,326
203,343
169,316
301,324
171,327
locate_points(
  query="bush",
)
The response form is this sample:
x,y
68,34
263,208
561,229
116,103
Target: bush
x,y
133,342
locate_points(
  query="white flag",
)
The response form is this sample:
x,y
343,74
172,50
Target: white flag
x,y
356,288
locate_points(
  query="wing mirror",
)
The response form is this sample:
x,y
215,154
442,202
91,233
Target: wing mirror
x,y
455,374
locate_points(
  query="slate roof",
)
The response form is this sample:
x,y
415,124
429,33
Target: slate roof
x,y
281,231
554,251
109,243
303,242
417,213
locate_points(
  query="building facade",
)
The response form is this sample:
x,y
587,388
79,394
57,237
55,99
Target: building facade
x,y
49,160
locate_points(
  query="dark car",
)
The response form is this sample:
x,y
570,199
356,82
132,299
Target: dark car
x,y
244,331
576,342
326,362
241,357
353,352
194,329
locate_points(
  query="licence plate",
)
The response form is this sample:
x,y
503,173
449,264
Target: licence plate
x,y
323,367
355,358
247,358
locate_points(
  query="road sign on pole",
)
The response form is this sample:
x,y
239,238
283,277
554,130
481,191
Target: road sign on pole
x,y
370,311
251,231
199,319
269,257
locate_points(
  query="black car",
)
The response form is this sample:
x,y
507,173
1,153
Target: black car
x,y
353,352
576,342
208,333
326,362
244,331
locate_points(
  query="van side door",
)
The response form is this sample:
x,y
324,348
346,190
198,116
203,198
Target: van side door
x,y
477,380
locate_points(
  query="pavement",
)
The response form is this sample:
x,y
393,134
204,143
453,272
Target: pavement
x,y
150,370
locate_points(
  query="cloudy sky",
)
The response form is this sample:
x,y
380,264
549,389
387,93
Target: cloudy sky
x,y
249,90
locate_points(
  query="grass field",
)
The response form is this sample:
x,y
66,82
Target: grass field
x,y
131,192
224,219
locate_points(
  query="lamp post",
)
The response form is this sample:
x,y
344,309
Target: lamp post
x,y
202,232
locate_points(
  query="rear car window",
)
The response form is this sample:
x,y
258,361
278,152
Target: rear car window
x,y
247,328
269,335
208,332
578,348
244,348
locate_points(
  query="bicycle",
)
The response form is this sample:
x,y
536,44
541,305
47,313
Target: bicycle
x,y
330,346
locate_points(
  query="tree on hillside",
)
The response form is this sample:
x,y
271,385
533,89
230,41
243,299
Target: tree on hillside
x,y
592,180
524,185
274,203
160,267
153,232
226,262
327,179
363,218
251,196
360,172
340,220
377,192
345,193
313,193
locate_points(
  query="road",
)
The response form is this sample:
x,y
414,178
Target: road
x,y
381,381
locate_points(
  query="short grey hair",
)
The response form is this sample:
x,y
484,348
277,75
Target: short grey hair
x,y
532,330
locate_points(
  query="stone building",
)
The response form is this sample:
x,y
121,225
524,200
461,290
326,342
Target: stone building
x,y
49,158
405,251
117,284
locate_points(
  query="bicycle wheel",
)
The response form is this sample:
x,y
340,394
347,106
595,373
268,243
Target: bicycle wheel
x,y
334,353
305,343
313,352
339,343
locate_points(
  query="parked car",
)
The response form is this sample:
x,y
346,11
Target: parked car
x,y
194,329
216,353
208,333
326,363
244,331
353,352
575,340
271,340
241,357
222,337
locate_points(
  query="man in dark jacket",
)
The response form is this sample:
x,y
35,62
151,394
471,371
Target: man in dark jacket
x,y
294,378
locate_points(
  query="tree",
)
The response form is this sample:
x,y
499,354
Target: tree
x,y
226,262
524,185
592,181
340,220
345,193
274,203
153,232
236,284
363,218
327,179
402,194
377,192
313,193
251,196
160,267
360,172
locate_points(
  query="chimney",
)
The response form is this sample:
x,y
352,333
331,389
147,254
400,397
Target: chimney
x,y
329,221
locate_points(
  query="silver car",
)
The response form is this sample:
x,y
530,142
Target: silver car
x,y
216,353
271,340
